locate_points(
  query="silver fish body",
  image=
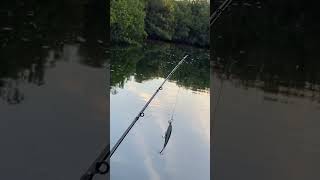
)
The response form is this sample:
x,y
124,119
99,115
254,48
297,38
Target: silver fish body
x,y
167,136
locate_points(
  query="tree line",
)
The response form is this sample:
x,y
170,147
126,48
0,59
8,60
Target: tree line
x,y
183,21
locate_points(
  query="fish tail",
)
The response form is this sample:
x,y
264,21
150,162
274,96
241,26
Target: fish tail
x,y
161,150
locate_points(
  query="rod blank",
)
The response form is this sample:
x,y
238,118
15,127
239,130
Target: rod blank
x,y
141,113
215,15
105,156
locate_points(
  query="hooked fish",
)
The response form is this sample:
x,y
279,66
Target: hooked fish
x,y
167,136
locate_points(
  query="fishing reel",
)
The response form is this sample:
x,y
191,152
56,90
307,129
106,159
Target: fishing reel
x,y
101,168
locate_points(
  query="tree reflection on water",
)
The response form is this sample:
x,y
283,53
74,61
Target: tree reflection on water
x,y
33,37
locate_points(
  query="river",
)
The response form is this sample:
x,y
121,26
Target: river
x,y
136,72
53,100
265,71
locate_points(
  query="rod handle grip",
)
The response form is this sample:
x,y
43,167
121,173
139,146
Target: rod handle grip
x,y
87,177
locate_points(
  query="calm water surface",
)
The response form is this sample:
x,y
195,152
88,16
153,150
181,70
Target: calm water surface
x,y
53,101
266,66
136,73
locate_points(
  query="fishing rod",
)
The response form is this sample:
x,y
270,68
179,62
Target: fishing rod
x,y
96,166
104,157
213,18
215,15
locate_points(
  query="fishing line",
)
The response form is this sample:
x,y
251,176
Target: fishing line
x,y
215,15
218,99
174,106
105,155
104,158
169,129
227,70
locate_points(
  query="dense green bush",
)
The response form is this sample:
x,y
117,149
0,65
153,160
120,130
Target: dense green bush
x,y
192,22
181,21
159,22
127,21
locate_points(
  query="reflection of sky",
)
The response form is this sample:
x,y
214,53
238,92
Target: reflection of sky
x,y
187,153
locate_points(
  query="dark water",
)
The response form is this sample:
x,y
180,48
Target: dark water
x,y
136,73
53,101
266,66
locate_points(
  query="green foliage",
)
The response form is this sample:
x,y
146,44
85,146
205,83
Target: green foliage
x,y
199,28
127,21
178,21
160,19
181,21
